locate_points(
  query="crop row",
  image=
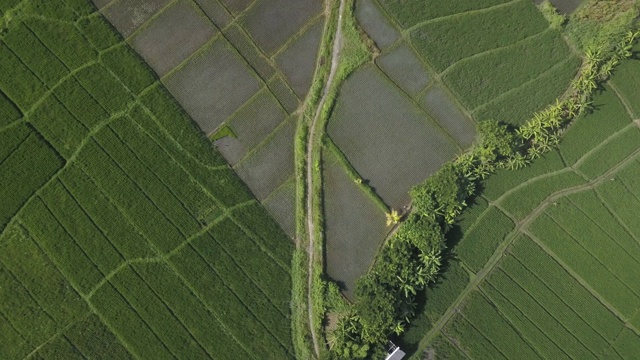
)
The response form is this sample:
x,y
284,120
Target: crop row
x,y
546,345
615,195
8,111
444,349
244,288
591,204
472,341
481,241
605,158
105,214
81,228
563,285
629,85
627,344
131,198
156,314
194,198
94,340
520,205
479,32
66,133
588,131
438,297
497,330
587,267
69,257
265,232
122,318
559,308
28,47
621,261
505,180
192,311
150,183
28,167
480,79
516,106
211,288
272,279
13,138
171,117
411,12
25,317
550,322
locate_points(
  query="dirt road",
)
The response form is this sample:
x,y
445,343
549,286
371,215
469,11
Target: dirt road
x,y
311,143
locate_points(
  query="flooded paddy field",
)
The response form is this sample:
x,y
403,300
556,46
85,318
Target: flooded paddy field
x,y
354,225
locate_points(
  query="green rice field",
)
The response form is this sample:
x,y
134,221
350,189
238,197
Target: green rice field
x,y
562,282
124,232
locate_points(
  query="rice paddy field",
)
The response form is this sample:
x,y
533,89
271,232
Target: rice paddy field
x,y
554,276
124,232
242,66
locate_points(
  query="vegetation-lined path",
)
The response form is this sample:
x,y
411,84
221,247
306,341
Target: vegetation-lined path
x,y
311,144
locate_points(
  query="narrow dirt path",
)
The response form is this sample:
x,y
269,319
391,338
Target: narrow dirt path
x,y
335,60
521,227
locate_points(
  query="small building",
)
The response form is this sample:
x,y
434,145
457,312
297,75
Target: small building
x,y
394,352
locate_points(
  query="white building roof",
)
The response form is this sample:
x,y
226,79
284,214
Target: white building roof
x,y
396,354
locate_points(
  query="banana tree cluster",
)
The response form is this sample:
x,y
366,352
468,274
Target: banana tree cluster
x,y
541,133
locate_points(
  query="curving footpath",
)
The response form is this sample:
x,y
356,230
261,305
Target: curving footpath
x,y
335,60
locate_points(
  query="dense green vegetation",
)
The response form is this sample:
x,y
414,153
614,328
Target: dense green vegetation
x,y
124,232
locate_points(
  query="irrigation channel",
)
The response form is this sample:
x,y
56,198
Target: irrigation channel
x,y
335,60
